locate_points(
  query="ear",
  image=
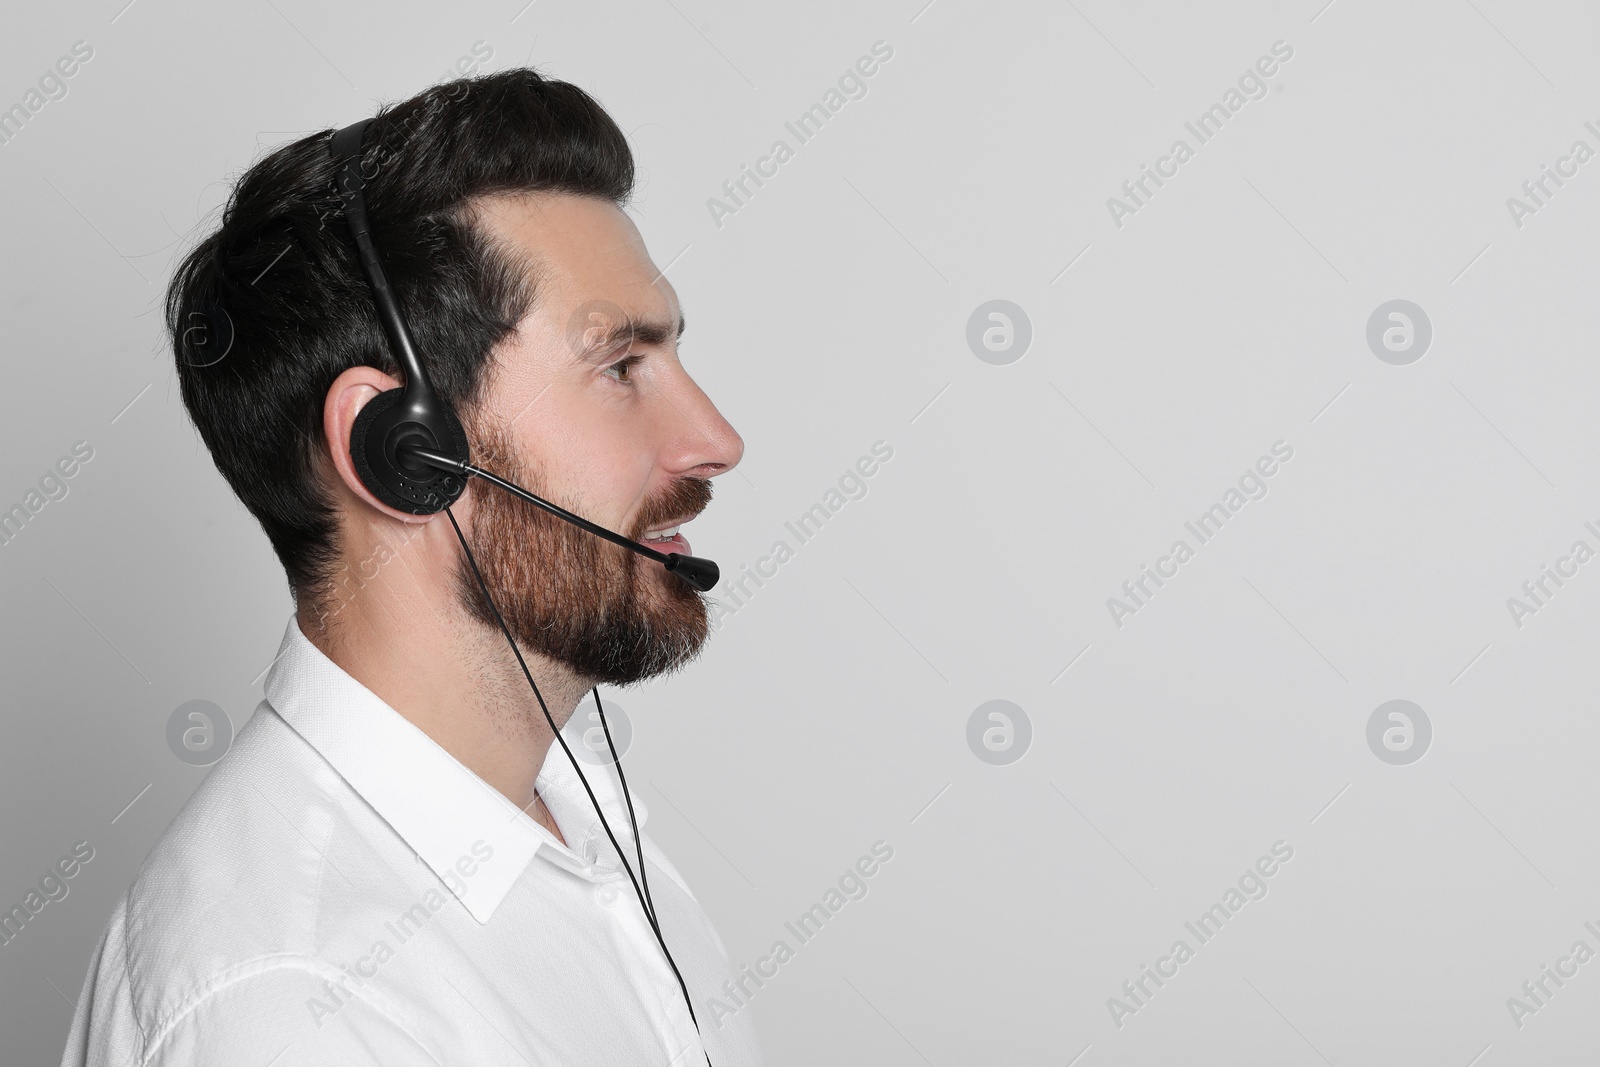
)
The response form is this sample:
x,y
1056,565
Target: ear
x,y
349,393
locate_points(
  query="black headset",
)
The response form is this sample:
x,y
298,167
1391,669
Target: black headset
x,y
409,449
411,416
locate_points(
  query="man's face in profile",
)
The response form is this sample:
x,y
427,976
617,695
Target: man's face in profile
x,y
589,407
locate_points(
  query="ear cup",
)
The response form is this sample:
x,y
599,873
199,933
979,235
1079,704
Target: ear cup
x,y
391,419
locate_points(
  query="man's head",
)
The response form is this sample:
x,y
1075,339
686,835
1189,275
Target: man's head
x,y
496,205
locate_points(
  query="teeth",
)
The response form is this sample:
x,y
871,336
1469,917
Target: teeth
x,y
662,535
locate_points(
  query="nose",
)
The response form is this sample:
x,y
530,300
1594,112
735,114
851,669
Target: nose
x,y
708,444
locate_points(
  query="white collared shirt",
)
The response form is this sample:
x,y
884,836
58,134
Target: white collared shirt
x,y
342,891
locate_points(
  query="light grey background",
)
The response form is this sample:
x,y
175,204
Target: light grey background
x,y
831,312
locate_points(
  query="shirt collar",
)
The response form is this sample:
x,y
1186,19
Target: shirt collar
x,y
439,807
564,794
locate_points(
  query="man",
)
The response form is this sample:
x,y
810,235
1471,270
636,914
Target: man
x,y
394,864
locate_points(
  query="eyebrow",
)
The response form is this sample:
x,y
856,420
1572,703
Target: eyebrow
x,y
636,332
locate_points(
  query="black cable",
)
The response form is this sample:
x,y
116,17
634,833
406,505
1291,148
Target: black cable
x,y
547,717
617,761
648,910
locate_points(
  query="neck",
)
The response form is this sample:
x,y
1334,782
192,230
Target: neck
x,y
408,640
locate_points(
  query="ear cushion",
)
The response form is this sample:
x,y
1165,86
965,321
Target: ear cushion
x,y
382,424
378,405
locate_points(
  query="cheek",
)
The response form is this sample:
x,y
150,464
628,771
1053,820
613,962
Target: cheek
x,y
597,451
633,479
605,468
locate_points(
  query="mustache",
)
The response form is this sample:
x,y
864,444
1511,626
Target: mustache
x,y
683,500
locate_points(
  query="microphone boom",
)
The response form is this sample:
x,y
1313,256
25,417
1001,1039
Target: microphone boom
x,y
702,574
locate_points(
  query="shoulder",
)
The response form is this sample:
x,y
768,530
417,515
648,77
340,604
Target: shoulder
x,y
272,1010
224,940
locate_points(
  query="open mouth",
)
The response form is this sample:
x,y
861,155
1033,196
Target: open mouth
x,y
666,538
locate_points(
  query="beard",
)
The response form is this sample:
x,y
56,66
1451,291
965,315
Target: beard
x,y
608,614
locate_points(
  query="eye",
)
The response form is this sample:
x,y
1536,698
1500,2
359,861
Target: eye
x,y
622,366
